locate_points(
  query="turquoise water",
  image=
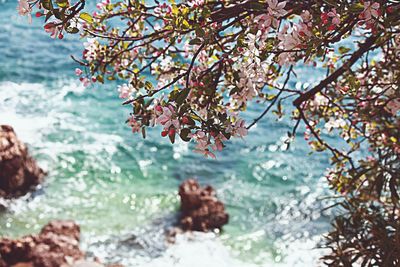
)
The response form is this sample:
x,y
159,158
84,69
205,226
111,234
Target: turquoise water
x,y
115,184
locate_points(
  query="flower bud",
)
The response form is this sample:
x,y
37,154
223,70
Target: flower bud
x,y
185,120
171,132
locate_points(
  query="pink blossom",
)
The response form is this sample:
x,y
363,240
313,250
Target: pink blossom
x,y
335,17
202,141
125,90
163,9
78,72
85,81
136,125
218,144
290,39
24,9
52,29
206,152
168,118
306,16
241,130
393,106
371,11
263,21
238,129
276,8
202,146
103,4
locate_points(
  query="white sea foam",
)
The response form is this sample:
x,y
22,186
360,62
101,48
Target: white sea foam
x,y
200,249
207,249
35,110
197,250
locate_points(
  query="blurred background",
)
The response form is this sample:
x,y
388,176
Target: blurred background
x,y
122,189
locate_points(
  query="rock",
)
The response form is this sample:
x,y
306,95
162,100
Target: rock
x,y
201,210
56,245
19,172
65,228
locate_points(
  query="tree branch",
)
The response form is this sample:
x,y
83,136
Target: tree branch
x,y
369,42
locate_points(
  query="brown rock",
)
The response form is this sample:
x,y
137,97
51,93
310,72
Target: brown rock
x,y
19,173
63,228
56,245
201,210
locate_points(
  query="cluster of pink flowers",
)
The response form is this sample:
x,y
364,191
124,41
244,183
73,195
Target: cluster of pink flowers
x,y
331,18
83,79
393,106
275,10
91,48
370,13
134,124
203,142
102,5
163,9
24,9
125,90
54,30
292,38
238,129
206,142
166,116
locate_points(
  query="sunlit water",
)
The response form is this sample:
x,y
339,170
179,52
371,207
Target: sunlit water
x,y
122,189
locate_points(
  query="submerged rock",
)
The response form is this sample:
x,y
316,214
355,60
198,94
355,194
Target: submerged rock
x,y
19,172
201,210
57,245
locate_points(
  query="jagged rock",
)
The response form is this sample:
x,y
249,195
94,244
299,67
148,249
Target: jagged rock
x,y
201,210
65,228
19,172
56,245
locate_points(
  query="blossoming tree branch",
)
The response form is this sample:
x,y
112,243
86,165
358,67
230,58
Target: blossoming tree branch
x,y
194,66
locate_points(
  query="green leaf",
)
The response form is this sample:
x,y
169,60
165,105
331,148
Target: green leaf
x,y
191,122
100,78
200,32
331,2
58,14
358,7
86,17
196,41
148,85
227,135
72,30
62,3
185,24
47,4
185,134
195,117
182,96
344,50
